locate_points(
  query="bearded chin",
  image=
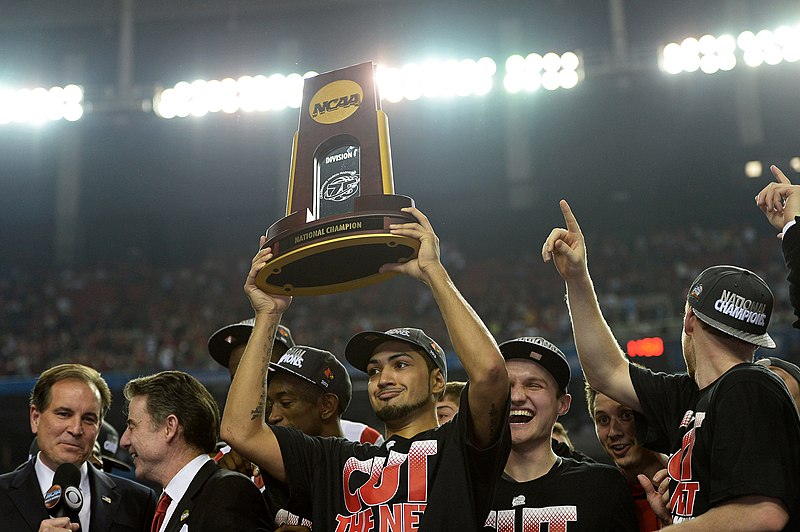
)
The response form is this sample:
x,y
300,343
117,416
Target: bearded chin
x,y
395,412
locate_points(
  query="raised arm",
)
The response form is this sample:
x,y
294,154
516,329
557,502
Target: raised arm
x,y
474,345
602,360
243,425
780,203
741,513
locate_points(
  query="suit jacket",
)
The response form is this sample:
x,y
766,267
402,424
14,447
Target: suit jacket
x,y
218,499
118,504
791,253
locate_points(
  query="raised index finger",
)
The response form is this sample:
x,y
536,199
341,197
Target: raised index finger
x,y
569,218
779,176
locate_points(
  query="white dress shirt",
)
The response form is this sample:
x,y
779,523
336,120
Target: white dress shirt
x,y
177,487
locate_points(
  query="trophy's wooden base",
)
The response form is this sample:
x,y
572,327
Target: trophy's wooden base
x,y
337,253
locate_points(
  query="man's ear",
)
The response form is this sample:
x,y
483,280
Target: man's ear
x,y
329,406
34,418
172,427
564,403
689,320
437,383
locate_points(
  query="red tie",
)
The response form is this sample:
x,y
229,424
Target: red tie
x,y
161,511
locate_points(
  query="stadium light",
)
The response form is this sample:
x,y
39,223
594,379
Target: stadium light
x,y
436,79
753,169
711,54
430,79
708,54
246,94
39,105
550,71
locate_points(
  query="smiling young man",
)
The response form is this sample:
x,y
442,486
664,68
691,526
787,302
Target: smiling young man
x,y
67,407
538,487
615,426
411,481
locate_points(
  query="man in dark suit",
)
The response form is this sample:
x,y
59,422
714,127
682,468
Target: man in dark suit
x,y
67,407
173,426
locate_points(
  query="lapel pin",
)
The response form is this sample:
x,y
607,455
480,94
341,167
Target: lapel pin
x,y
106,499
184,515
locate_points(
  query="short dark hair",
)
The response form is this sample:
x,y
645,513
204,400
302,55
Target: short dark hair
x,y
178,393
431,366
41,395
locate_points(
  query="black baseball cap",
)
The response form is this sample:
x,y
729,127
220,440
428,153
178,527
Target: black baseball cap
x,y
318,367
785,365
539,350
735,301
222,342
361,346
111,452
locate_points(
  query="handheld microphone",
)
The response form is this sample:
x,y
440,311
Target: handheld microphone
x,y
64,498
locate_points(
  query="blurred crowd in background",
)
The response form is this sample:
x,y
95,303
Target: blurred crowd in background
x,y
133,316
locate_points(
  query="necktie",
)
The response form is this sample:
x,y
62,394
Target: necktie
x,y
161,511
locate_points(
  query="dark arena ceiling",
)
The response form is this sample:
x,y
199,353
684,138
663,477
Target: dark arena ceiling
x,y
629,145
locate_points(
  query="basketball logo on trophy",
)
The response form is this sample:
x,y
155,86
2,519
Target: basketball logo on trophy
x,y
341,201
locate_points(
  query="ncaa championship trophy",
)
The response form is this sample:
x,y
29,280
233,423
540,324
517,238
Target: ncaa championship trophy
x,y
335,235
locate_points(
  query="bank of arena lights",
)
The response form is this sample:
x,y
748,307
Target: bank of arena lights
x,y
428,79
247,94
436,79
711,54
550,71
35,106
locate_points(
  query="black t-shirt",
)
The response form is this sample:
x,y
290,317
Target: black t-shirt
x,y
738,436
572,497
436,481
280,506
562,449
